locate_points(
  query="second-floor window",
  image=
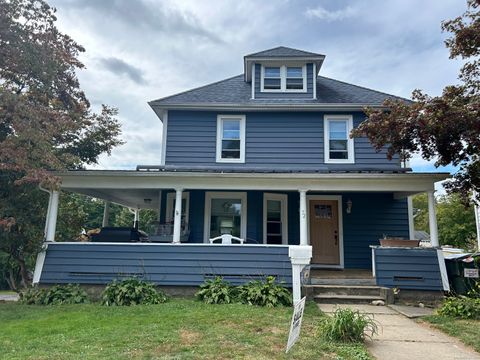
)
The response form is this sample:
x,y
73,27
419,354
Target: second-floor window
x,y
283,79
339,147
231,138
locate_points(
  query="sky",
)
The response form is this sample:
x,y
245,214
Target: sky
x,y
141,50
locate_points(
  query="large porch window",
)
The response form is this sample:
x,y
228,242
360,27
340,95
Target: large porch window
x,y
275,230
225,213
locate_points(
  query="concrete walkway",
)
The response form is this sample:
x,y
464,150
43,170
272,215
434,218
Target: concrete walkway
x,y
402,338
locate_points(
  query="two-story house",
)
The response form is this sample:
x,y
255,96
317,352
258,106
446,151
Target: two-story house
x,y
265,156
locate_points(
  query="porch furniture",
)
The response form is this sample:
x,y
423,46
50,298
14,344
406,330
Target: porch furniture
x,y
119,234
226,239
164,233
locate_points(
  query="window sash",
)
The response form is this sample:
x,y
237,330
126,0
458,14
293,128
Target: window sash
x,y
339,148
289,79
230,138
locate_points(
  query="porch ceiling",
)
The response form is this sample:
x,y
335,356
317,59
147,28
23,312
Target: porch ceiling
x,y
131,188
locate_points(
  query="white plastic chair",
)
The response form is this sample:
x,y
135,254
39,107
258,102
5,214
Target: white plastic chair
x,y
226,239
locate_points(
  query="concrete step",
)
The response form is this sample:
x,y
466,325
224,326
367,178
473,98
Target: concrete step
x,y
346,282
367,290
346,299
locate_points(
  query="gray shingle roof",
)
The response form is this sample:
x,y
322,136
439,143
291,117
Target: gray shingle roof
x,y
236,91
282,51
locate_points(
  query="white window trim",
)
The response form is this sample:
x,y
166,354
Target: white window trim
x,y
242,119
209,195
283,79
169,206
283,198
339,200
350,142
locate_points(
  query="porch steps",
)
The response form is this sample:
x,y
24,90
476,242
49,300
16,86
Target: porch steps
x,y
347,294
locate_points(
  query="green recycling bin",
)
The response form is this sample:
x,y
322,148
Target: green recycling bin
x,y
461,280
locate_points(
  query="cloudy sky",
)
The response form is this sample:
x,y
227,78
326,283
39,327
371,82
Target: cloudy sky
x,y
142,50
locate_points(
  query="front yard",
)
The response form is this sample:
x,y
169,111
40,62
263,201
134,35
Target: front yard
x,y
180,329
468,331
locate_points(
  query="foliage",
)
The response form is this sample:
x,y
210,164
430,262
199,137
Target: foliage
x,y
264,293
347,325
443,128
132,292
461,307
456,223
474,293
56,295
46,122
216,291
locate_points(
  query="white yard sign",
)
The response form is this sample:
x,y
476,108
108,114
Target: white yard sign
x,y
296,323
470,273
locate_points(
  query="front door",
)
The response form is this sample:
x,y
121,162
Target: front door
x,y
324,235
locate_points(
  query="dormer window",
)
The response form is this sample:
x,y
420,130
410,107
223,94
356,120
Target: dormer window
x,y
284,78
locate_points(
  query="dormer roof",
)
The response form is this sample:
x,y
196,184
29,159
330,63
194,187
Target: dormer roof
x,y
280,54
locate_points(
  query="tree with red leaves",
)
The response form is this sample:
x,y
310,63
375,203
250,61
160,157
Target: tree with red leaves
x,y
46,122
444,128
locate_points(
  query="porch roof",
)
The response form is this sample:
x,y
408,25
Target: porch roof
x,y
140,189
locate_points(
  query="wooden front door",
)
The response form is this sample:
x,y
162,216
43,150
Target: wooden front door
x,y
324,234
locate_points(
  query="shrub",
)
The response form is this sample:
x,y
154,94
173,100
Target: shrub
x,y
132,292
264,293
216,291
461,307
347,325
56,295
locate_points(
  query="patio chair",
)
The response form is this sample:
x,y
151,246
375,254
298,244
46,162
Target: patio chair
x,y
226,239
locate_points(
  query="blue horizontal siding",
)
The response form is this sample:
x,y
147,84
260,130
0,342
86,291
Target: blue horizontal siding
x,y
273,139
167,265
411,269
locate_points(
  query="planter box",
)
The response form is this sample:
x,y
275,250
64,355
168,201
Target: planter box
x,y
399,243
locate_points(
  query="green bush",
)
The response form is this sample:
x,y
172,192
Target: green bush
x,y
347,325
461,307
264,293
216,291
132,292
56,295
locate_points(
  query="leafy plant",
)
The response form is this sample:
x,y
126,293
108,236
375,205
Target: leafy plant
x,y
132,292
264,293
347,325
56,295
216,291
461,307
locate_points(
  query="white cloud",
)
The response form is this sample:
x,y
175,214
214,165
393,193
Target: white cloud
x,y
321,13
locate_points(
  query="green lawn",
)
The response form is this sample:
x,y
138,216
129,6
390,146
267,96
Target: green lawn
x,y
7,292
179,329
468,331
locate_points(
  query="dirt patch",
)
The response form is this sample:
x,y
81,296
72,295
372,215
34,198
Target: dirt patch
x,y
188,337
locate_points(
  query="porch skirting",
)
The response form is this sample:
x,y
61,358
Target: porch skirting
x,y
163,264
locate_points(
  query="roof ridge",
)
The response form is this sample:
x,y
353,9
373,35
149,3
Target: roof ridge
x,y
197,88
310,53
362,87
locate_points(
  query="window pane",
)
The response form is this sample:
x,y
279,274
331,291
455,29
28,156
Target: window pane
x,y
271,83
274,205
274,239
295,84
231,134
230,154
225,217
338,154
294,72
272,72
231,145
231,125
338,126
338,145
274,228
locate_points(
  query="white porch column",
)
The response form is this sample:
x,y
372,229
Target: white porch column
x,y
411,223
48,214
52,215
303,217
177,220
136,218
106,214
432,219
300,256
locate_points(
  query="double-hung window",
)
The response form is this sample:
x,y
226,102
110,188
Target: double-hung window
x,y
284,78
339,147
275,225
231,138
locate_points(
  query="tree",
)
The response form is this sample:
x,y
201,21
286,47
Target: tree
x,y
46,122
445,128
456,223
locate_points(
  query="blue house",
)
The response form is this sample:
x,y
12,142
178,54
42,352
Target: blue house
x,y
266,157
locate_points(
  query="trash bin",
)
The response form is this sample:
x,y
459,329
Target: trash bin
x,y
461,280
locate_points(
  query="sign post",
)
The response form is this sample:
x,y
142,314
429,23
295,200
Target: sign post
x,y
296,324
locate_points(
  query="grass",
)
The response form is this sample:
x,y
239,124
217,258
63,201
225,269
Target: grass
x,y
467,331
179,329
7,292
